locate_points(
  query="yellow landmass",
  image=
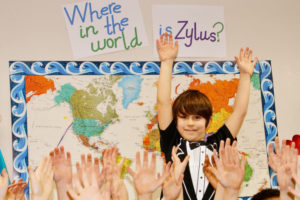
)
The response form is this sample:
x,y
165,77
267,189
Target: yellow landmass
x,y
218,120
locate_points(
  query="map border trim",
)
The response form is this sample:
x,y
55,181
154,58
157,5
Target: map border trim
x,y
20,69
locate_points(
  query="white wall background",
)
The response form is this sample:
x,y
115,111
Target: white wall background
x,y
35,30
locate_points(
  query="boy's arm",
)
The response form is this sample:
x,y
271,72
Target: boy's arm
x,y
167,54
240,107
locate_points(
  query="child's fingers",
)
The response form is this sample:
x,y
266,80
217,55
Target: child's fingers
x,y
71,192
243,161
83,161
157,44
166,38
121,163
246,54
145,159
130,171
277,146
255,61
293,191
216,159
138,161
89,160
270,149
153,161
185,162
250,54
180,180
228,151
241,53
171,39
62,151
176,44
69,157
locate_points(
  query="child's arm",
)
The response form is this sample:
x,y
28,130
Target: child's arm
x,y
240,107
167,54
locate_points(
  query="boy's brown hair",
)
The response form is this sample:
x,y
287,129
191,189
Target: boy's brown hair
x,y
192,102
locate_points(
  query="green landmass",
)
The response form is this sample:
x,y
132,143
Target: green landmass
x,y
255,81
248,172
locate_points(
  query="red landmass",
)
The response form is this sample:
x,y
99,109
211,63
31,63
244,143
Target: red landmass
x,y
37,85
218,93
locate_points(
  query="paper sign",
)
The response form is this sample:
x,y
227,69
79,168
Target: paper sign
x,y
97,27
199,30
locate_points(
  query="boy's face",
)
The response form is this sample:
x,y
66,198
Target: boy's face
x,y
191,127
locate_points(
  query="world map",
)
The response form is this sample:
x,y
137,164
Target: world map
x,y
88,114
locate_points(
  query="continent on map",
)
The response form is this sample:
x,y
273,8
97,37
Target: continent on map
x,y
65,94
219,93
37,85
93,108
248,172
131,86
255,81
127,163
151,141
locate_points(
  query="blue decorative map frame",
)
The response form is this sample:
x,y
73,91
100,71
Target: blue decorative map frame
x,y
18,71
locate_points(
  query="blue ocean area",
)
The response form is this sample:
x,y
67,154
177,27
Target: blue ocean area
x,y
88,127
131,86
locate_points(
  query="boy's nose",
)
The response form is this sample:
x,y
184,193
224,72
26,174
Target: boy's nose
x,y
190,121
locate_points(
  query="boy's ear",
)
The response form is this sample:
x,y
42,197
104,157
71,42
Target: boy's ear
x,y
210,120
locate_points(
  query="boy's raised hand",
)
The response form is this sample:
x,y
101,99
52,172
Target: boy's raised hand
x,y
165,47
244,62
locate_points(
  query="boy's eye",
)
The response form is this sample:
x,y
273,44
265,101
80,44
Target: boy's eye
x,y
182,116
198,117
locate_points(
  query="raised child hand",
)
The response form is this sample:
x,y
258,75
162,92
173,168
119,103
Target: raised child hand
x,y
230,170
244,62
16,190
87,186
275,158
179,167
172,186
62,165
144,178
41,181
207,170
165,47
287,167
